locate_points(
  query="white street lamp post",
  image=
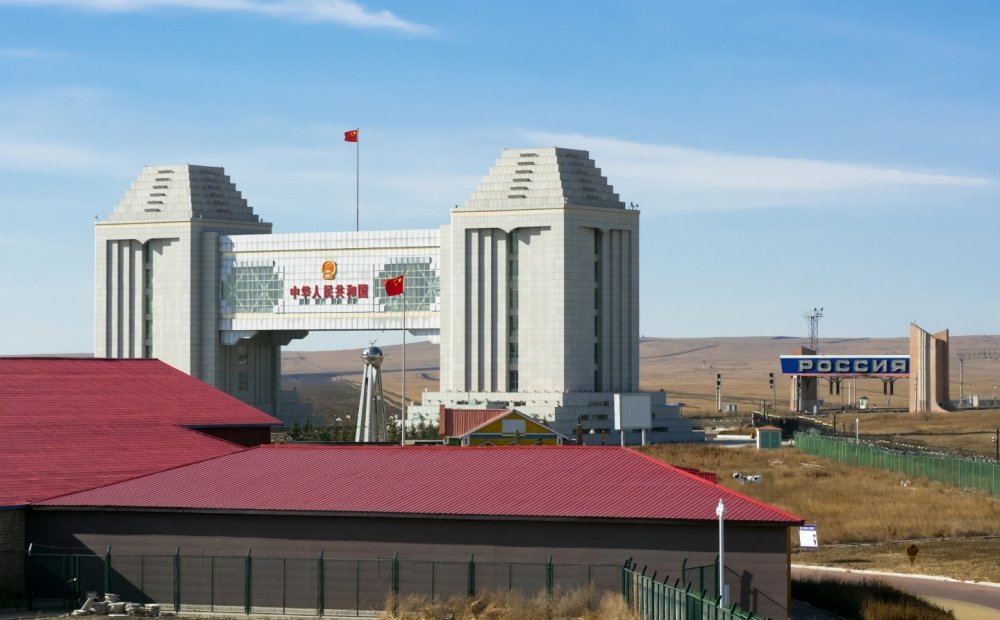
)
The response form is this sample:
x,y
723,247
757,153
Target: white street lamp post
x,y
720,511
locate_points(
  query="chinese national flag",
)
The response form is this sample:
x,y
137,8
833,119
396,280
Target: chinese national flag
x,y
351,135
393,286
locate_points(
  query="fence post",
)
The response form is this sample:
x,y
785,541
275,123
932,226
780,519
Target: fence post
x,y
664,600
320,585
625,584
472,576
177,580
28,561
247,579
719,587
107,570
395,580
549,576
628,562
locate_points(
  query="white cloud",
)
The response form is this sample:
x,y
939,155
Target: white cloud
x,y
23,53
35,156
694,177
696,169
344,12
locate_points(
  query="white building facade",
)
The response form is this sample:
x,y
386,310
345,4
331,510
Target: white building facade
x,y
532,289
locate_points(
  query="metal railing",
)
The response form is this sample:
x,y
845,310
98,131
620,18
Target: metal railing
x,y
657,600
965,473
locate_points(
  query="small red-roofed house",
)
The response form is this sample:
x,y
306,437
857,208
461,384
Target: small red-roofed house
x,y
496,427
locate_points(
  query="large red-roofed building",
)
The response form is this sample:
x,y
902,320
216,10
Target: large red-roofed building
x,y
577,505
133,455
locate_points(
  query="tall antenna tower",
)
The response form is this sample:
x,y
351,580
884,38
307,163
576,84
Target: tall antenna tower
x,y
813,319
372,420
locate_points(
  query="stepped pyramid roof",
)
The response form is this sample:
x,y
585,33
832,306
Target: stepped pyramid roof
x,y
185,192
543,178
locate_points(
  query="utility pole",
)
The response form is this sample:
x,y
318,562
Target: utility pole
x,y
718,392
774,399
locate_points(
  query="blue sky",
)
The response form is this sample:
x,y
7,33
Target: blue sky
x,y
784,154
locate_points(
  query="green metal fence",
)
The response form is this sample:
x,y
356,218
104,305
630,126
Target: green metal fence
x,y
657,600
965,473
278,585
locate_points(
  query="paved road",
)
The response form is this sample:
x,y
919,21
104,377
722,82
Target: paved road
x,y
970,601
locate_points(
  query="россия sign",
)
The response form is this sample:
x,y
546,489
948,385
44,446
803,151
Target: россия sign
x,y
845,364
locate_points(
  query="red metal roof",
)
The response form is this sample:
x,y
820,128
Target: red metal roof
x,y
458,422
83,390
74,424
525,481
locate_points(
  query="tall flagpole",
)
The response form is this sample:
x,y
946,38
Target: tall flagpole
x,y
402,406
357,182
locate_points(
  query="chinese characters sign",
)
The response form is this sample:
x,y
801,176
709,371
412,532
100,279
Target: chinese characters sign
x,y
329,293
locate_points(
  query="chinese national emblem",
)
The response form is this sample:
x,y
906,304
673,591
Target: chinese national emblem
x,y
329,270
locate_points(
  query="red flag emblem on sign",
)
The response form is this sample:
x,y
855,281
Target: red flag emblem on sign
x,y
394,286
351,135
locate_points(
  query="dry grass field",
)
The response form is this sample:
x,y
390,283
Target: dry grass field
x,y
864,517
576,604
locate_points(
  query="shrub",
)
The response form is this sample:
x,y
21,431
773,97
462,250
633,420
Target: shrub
x,y
510,606
868,600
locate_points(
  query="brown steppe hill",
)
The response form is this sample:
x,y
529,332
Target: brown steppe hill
x,y
685,367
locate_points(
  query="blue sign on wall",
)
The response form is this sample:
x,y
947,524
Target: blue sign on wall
x,y
845,364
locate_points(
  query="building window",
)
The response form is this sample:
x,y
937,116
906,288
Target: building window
x,y
243,381
242,355
512,381
509,427
598,314
147,301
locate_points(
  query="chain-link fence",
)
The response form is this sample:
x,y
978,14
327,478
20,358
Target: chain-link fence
x,y
965,473
307,586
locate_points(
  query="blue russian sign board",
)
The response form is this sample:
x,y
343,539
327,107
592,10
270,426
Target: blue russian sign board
x,y
880,365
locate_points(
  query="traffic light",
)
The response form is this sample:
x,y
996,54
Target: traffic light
x,y
770,380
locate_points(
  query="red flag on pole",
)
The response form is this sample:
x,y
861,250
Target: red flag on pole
x,y
351,135
393,286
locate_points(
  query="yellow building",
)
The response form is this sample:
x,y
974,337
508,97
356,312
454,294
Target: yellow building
x,y
505,428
